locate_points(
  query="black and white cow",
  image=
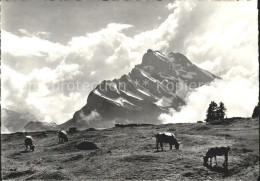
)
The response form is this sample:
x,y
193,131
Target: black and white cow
x,y
63,137
217,151
29,142
166,138
72,130
44,134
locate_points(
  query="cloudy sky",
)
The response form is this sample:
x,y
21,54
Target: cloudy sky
x,y
54,53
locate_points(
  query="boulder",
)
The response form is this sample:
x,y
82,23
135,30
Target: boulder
x,y
86,145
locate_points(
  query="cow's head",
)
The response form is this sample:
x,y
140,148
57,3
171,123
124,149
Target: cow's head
x,y
205,158
66,139
32,147
177,145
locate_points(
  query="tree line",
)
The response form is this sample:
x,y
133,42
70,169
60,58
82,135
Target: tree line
x,y
215,111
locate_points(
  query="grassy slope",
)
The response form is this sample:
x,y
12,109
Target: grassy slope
x,y
129,153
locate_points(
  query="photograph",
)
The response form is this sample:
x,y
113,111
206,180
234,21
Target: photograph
x,y
130,90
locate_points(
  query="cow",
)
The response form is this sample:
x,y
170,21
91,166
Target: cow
x,y
44,133
72,129
119,125
166,138
63,137
217,151
29,142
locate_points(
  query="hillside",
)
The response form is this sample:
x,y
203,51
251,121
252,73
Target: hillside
x,y
39,126
129,153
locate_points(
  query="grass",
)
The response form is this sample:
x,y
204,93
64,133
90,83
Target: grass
x,y
130,153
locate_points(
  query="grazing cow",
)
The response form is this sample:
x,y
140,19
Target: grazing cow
x,y
217,151
29,142
166,138
72,129
44,133
63,136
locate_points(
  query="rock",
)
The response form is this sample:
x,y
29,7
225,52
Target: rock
x,y
86,145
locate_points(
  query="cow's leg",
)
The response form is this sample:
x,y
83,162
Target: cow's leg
x,y
26,147
215,157
157,144
161,145
225,164
170,146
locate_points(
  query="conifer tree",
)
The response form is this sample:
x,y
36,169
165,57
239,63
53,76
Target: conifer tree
x,y
221,111
256,112
215,112
212,111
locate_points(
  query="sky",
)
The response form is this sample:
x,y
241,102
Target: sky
x,y
55,53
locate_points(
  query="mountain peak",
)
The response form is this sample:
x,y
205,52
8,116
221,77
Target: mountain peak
x,y
160,82
156,57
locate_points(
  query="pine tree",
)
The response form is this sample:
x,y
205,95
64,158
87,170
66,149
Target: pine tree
x,y
221,111
256,112
212,111
209,113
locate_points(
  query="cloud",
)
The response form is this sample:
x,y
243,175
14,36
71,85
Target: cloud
x,y
54,108
95,120
212,65
24,32
4,130
223,42
171,6
89,118
13,86
218,33
54,94
32,46
238,94
39,34
43,34
99,52
108,37
32,93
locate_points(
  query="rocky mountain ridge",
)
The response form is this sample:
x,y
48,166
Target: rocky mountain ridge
x,y
160,82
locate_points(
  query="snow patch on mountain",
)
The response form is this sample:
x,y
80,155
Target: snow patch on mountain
x,y
143,92
131,95
147,75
